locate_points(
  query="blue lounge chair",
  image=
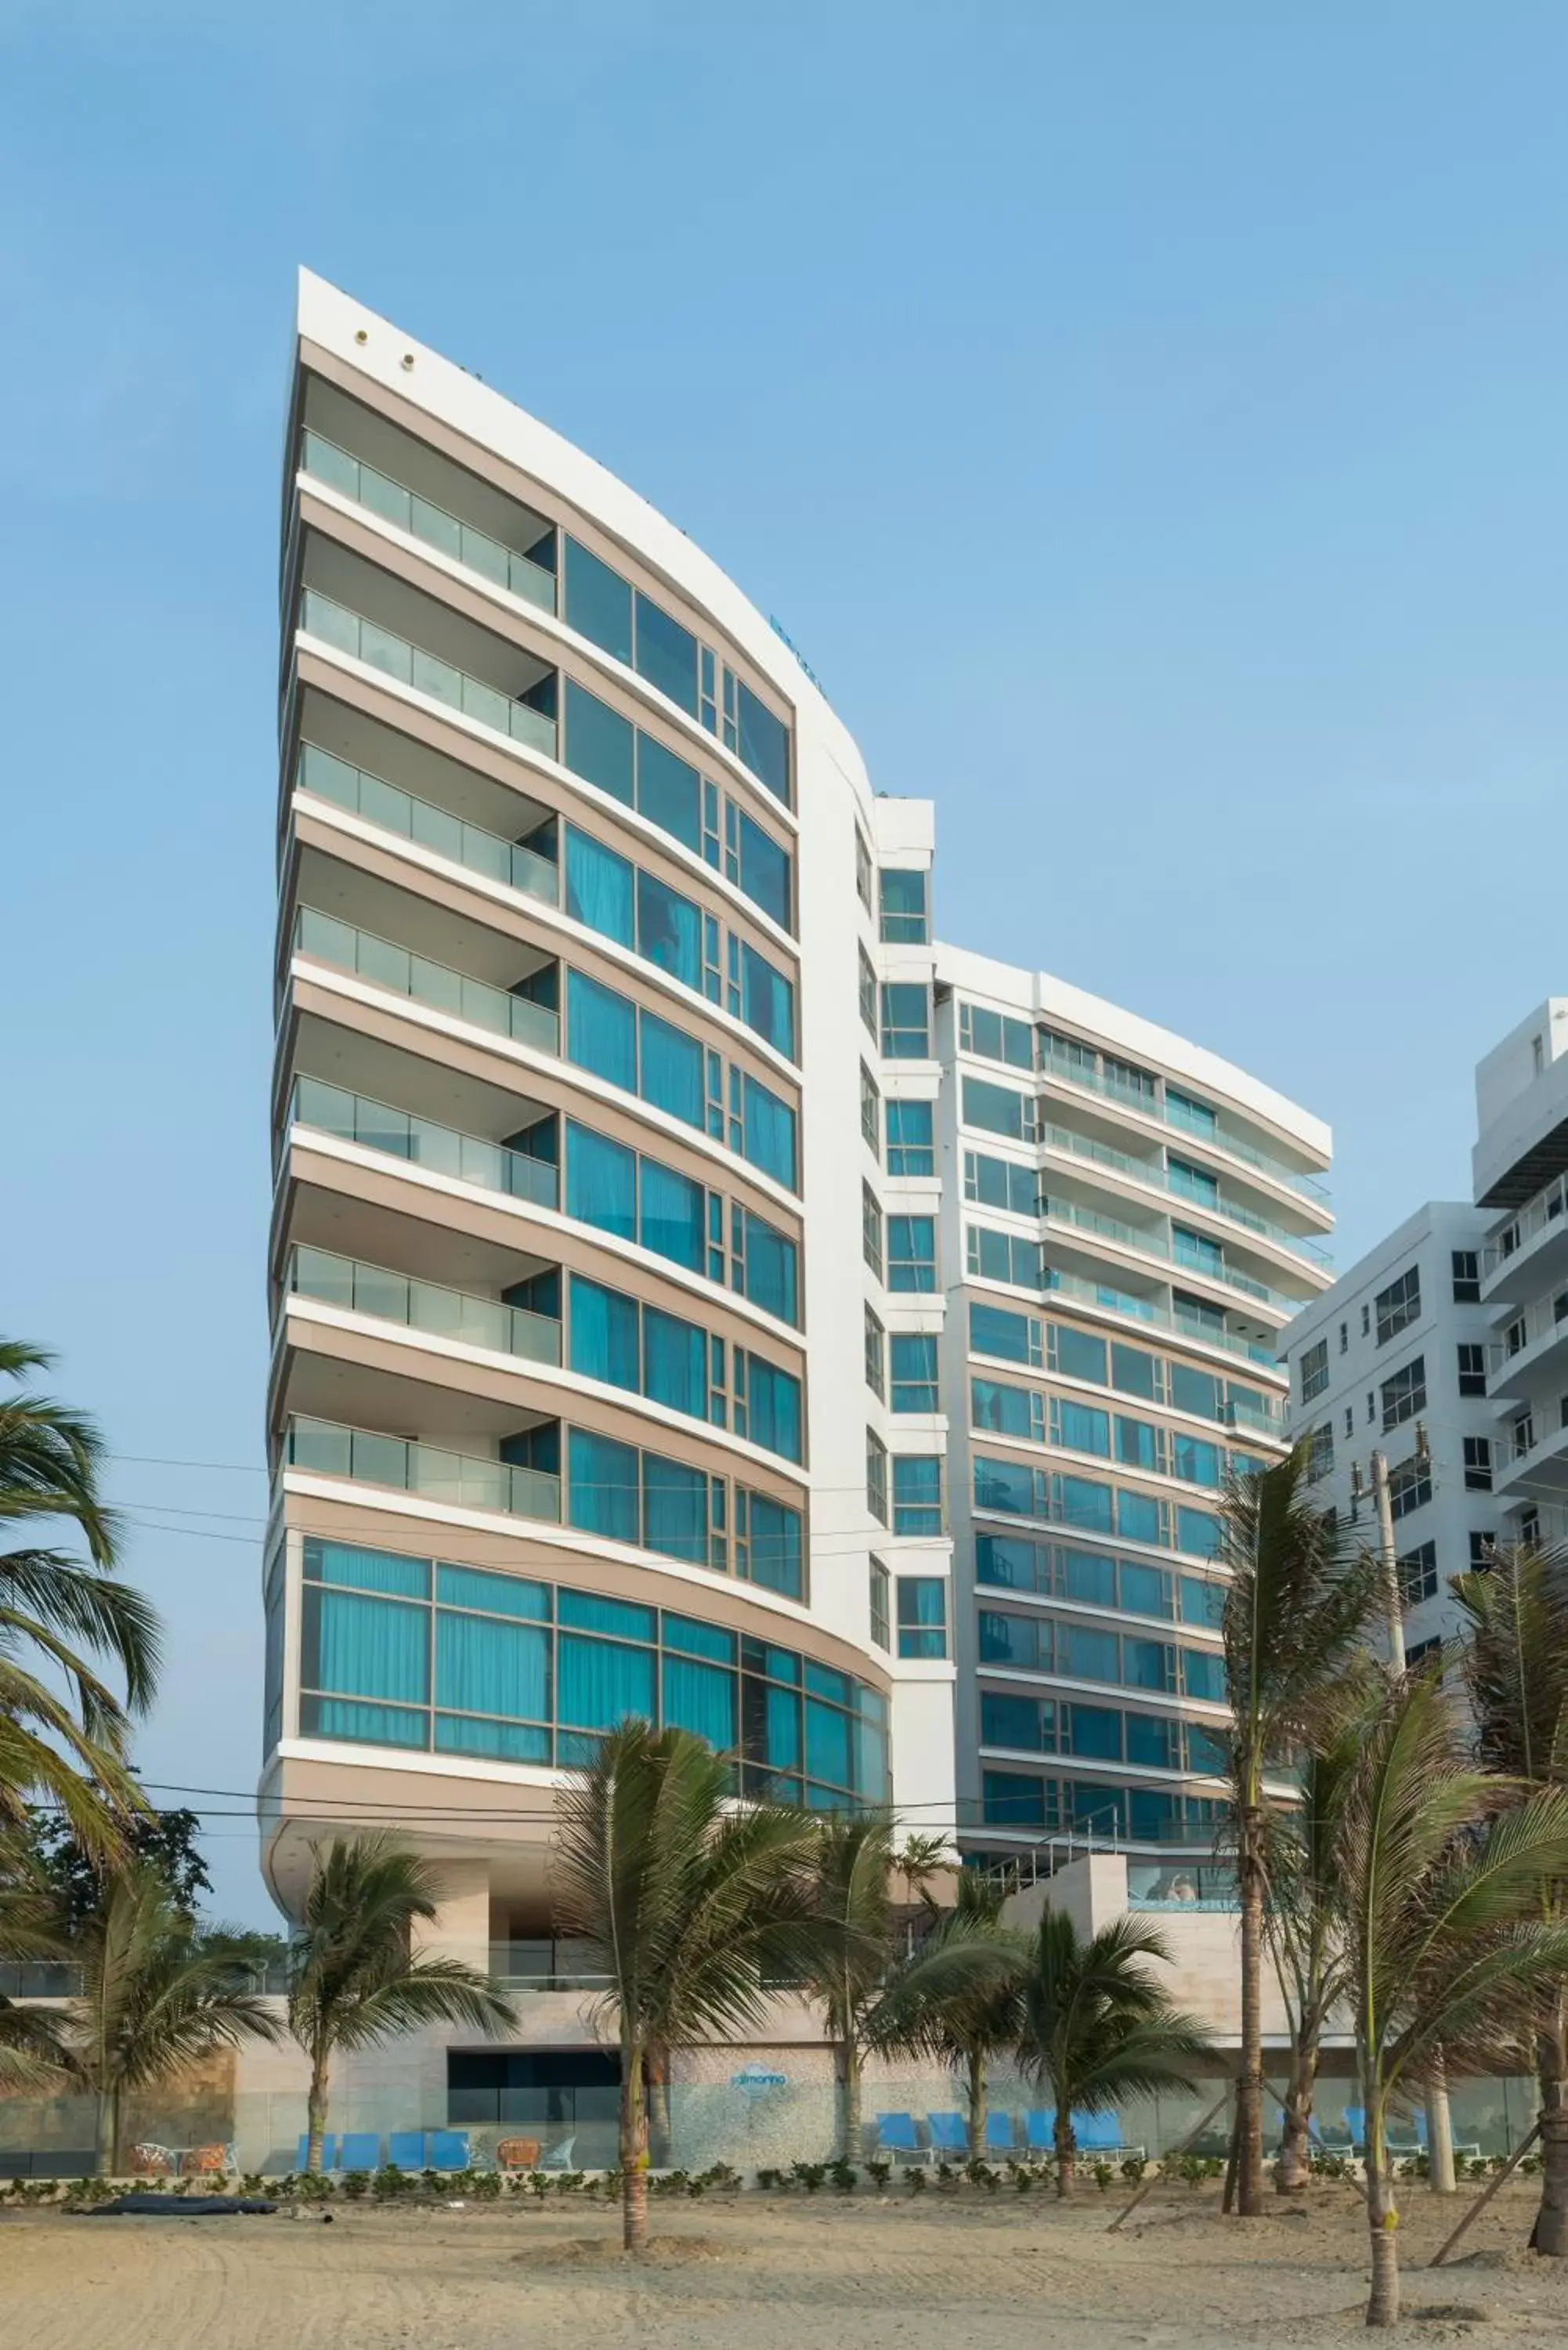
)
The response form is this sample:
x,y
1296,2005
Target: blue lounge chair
x,y
896,2135
449,2150
1001,2137
1040,2132
328,2152
406,2150
359,2150
948,2135
1355,2123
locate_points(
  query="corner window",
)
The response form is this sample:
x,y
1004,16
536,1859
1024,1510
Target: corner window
x,y
881,1625
904,918
871,1230
868,991
875,1476
1409,1486
876,1377
916,1494
1314,1369
914,1368
1467,1276
922,1616
1418,1573
912,1253
862,870
1398,1306
1405,1394
870,1112
911,1147
905,1021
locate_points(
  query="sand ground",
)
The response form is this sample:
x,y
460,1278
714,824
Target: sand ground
x,y
946,2272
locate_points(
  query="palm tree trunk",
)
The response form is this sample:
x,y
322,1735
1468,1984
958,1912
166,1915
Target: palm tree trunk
x,y
108,2133
1383,2220
1294,2165
315,2117
976,2103
1066,2153
660,2134
1249,2087
1550,2234
633,2153
849,2145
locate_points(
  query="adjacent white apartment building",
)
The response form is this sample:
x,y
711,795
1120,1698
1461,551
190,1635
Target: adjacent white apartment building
x,y
695,1294
1520,1168
1394,1358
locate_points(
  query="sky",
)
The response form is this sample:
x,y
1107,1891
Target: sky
x,y
1146,420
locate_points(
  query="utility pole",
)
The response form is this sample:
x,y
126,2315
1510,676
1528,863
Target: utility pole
x,y
1439,2122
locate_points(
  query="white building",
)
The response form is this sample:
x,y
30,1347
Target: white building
x,y
1520,1168
1399,1343
1128,1223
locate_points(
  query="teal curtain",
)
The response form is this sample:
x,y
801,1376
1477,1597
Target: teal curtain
x,y
675,1360
484,1666
673,1212
501,1741
771,1268
1003,1485
600,887
773,1401
1198,1532
601,1031
775,1557
363,1725
782,1729
604,1344
618,1619
769,1133
827,1744
601,1182
496,1594
675,1510
366,1570
599,1682
1196,1462
604,1486
701,1698
765,871
693,1638
668,793
1138,1517
767,1001
356,1646
669,930
1090,1505
672,1070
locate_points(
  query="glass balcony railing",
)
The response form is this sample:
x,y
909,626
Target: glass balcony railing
x,y
419,1142
1547,1208
323,1449
473,1001
1143,1309
1067,1213
1161,1179
406,510
452,1313
1073,1072
326,777
362,640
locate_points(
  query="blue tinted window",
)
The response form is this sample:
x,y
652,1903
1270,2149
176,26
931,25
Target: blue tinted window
x,y
1009,1411
495,1594
1197,1531
359,1646
598,745
669,792
1204,1675
997,1109
504,1741
1014,1721
1096,1733
916,1494
1086,1654
599,602
913,1363
669,930
1084,1503
906,1021
922,1616
604,1487
701,1699
1146,1590
587,1611
1089,1576
604,1333
764,870
675,1510
672,1070
672,1215
912,1252
1081,1427
697,1640
598,888
1004,1485
599,1682
767,1001
1138,1517
1202,1603
993,1331
910,1147
769,1133
601,1181
770,1267
773,1407
775,1550
666,654
903,896
601,1031
489,1667
675,1362
1009,1800
765,744
1194,1391
366,1570
1138,1444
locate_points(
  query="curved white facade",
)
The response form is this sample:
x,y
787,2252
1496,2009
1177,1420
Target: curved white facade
x,y
569,1409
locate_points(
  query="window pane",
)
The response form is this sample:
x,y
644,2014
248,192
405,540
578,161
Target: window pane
x,y
489,1667
601,1182
675,1500
669,930
495,1594
598,888
601,1031
666,654
765,871
769,1130
365,1648
599,602
1091,1577
672,1070
773,1407
366,1570
668,793
674,1362
1077,1356
701,1699
767,1001
763,744
601,1683
604,1333
769,1266
604,1486
775,1560
673,1212
598,744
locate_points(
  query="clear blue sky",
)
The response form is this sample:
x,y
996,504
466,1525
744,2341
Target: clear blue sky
x,y
1149,420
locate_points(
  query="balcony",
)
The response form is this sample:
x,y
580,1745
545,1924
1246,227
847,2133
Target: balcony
x,y
345,631
421,1142
1103,1298
320,1448
423,1306
488,558
509,862
519,1018
1067,1215
1060,1068
1162,1179
1532,1343
1532,1462
1532,1252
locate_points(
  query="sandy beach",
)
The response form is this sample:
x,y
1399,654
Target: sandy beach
x,y
768,2274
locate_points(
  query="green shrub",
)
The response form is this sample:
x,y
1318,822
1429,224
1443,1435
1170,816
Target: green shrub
x,y
1133,2168
488,2185
771,2177
356,2184
878,2171
1102,2175
981,2174
845,2176
809,2174
916,2175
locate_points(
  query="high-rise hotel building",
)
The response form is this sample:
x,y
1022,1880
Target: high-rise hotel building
x,y
672,1250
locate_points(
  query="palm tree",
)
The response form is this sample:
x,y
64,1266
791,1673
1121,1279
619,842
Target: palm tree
x,y
1297,1604
959,1996
683,1899
66,1615
1096,2026
1516,1674
156,1995
1301,1926
1441,1901
851,1864
353,1980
